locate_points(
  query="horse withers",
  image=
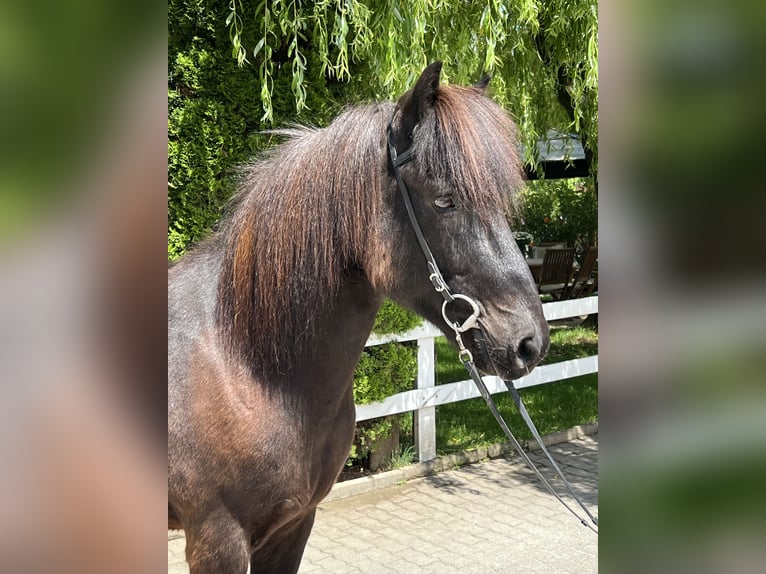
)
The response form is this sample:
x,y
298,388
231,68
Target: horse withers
x,y
269,316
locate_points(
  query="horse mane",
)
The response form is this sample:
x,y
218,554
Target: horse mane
x,y
307,214
299,223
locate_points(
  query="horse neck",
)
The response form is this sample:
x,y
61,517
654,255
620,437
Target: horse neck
x,y
324,368
340,336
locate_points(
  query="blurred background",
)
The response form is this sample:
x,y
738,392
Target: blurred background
x,y
82,289
83,230
683,314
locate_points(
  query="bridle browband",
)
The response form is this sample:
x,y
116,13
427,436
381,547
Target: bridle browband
x,y
473,323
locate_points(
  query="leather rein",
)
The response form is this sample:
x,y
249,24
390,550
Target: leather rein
x,y
473,323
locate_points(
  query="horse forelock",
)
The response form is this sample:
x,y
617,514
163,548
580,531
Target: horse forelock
x,y
469,144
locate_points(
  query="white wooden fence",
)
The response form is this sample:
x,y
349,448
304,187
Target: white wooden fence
x,y
426,396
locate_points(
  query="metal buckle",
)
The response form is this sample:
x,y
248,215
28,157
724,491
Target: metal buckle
x,y
437,281
465,356
470,322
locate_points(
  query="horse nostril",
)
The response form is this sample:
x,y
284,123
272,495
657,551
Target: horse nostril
x,y
528,350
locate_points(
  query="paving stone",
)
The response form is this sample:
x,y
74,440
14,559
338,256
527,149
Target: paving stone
x,y
492,516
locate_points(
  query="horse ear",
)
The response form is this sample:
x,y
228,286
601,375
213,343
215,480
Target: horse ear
x,y
426,87
482,84
418,102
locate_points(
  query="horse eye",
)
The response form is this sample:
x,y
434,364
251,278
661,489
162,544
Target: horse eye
x,y
444,203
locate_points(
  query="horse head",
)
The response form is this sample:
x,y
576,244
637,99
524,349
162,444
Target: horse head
x,y
455,153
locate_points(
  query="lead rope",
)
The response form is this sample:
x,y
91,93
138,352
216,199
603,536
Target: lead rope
x,y
465,355
466,358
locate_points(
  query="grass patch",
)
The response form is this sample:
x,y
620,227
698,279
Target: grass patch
x,y
402,456
553,406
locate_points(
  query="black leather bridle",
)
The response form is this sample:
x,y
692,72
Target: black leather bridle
x,y
473,324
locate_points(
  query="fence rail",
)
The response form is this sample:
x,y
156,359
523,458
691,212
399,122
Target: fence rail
x,y
424,399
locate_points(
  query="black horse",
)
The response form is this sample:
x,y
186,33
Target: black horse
x,y
268,318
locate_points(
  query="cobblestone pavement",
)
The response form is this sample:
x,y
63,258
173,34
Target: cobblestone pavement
x,y
489,517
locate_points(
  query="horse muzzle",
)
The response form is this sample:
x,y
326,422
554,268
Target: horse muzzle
x,y
512,360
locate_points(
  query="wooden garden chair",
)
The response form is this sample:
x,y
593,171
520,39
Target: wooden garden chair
x,y
556,272
584,281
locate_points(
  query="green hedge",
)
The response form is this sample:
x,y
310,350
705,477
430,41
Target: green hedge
x,y
214,117
559,210
382,371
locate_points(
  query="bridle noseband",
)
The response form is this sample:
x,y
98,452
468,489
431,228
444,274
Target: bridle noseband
x,y
472,323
